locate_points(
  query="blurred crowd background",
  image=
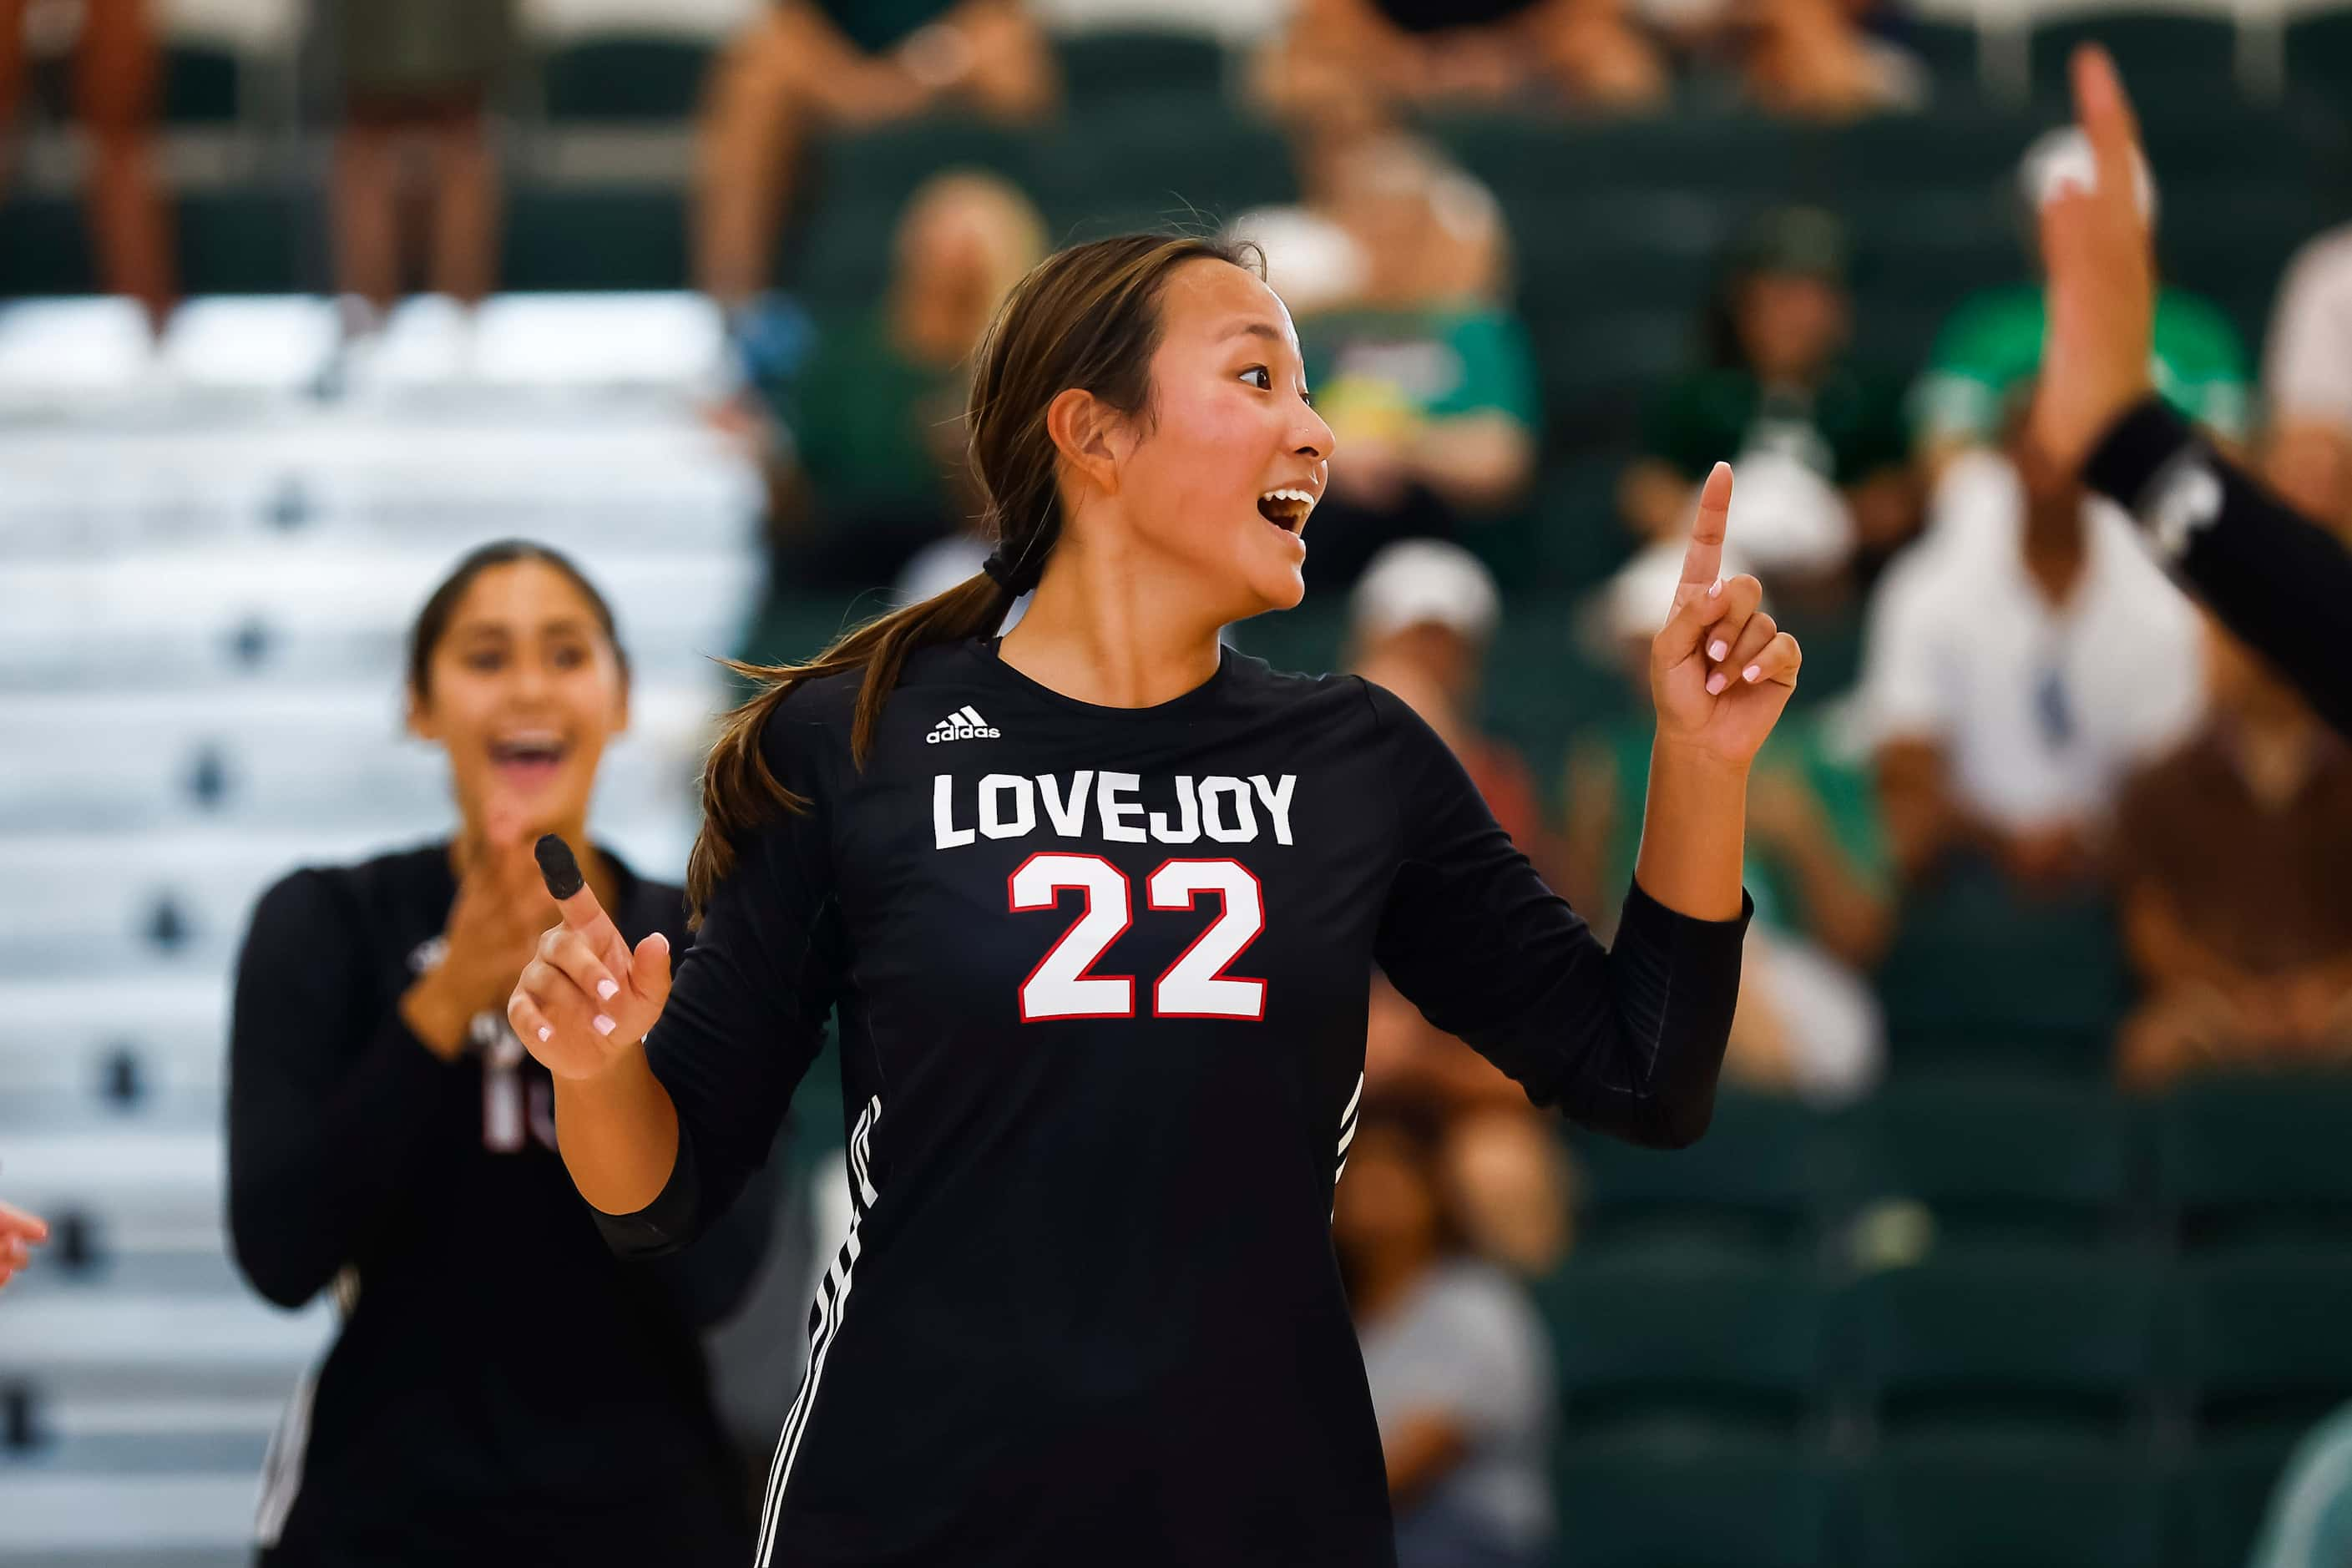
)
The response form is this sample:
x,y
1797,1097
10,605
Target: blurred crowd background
x,y
2022,1234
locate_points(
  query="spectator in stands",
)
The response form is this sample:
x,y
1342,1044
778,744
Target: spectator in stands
x,y
1343,68
1817,868
2309,1521
417,79
1990,347
1422,371
2307,379
1819,444
1817,59
2022,659
502,1385
1458,1363
870,430
807,67
19,1234
2236,857
118,72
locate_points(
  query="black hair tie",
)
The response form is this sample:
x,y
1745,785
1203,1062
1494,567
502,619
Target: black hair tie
x,y
1014,577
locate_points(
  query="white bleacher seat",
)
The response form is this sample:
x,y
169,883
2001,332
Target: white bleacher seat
x,y
289,757
73,353
322,613
56,1034
553,343
257,343
178,903
77,1515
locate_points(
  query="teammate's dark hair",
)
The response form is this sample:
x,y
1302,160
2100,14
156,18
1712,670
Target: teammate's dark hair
x,y
433,620
1087,317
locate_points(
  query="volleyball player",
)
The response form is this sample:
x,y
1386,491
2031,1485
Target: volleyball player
x,y
2276,579
1096,902
504,1390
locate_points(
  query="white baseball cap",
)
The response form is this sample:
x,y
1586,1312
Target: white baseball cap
x,y
1417,581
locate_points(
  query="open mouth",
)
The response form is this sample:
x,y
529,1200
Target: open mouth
x,y
1286,509
529,760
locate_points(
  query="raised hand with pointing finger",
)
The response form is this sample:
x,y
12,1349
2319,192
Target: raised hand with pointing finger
x,y
1721,669
585,1000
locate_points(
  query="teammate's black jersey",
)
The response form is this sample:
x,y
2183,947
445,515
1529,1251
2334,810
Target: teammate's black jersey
x,y
2276,579
503,1390
1102,976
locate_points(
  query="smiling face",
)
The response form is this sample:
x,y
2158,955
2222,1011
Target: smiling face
x,y
523,690
1218,482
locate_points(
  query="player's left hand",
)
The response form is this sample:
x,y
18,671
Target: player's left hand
x,y
20,1232
1720,669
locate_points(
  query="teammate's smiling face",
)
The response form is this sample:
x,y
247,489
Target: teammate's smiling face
x,y
1220,485
525,691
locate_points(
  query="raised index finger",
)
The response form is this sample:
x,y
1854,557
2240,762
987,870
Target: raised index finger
x,y
1703,562
2105,113
577,901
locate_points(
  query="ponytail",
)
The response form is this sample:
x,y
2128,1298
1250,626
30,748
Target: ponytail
x,y
739,791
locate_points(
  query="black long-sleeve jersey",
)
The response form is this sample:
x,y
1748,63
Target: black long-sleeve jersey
x,y
1102,977
503,1389
2275,578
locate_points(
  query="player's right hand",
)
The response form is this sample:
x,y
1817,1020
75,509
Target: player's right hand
x,y
586,1000
494,926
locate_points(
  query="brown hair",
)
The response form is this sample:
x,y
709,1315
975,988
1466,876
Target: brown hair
x,y
432,621
1087,317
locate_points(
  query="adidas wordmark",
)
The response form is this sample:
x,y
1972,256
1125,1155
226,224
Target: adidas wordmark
x,y
964,724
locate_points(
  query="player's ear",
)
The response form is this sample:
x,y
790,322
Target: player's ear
x,y
417,717
1089,435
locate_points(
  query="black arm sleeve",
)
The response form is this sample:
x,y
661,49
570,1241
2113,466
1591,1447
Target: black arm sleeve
x,y
1628,1040
319,1137
747,1011
2276,579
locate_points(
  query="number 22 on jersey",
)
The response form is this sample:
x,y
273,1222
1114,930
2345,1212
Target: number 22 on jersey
x,y
1194,986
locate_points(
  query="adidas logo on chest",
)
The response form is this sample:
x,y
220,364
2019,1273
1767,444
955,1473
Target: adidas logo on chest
x,y
964,725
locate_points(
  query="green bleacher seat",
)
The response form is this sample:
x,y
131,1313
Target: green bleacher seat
x,y
1993,1156
1759,1175
1668,1340
2218,1495
2258,1337
1948,50
2062,982
614,237
2320,57
1709,1503
45,246
836,242
242,240
2169,57
2009,1503
199,83
1120,65
2255,1154
1155,163
651,76
1980,1340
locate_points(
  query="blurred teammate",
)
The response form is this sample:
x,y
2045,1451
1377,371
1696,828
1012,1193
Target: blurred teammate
x,y
503,1389
2278,580
1096,902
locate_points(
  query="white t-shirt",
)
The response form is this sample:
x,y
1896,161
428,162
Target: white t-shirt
x,y
2041,711
2307,367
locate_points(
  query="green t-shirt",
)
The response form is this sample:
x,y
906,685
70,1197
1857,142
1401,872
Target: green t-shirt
x,y
1378,371
865,421
1991,347
1845,430
1800,743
